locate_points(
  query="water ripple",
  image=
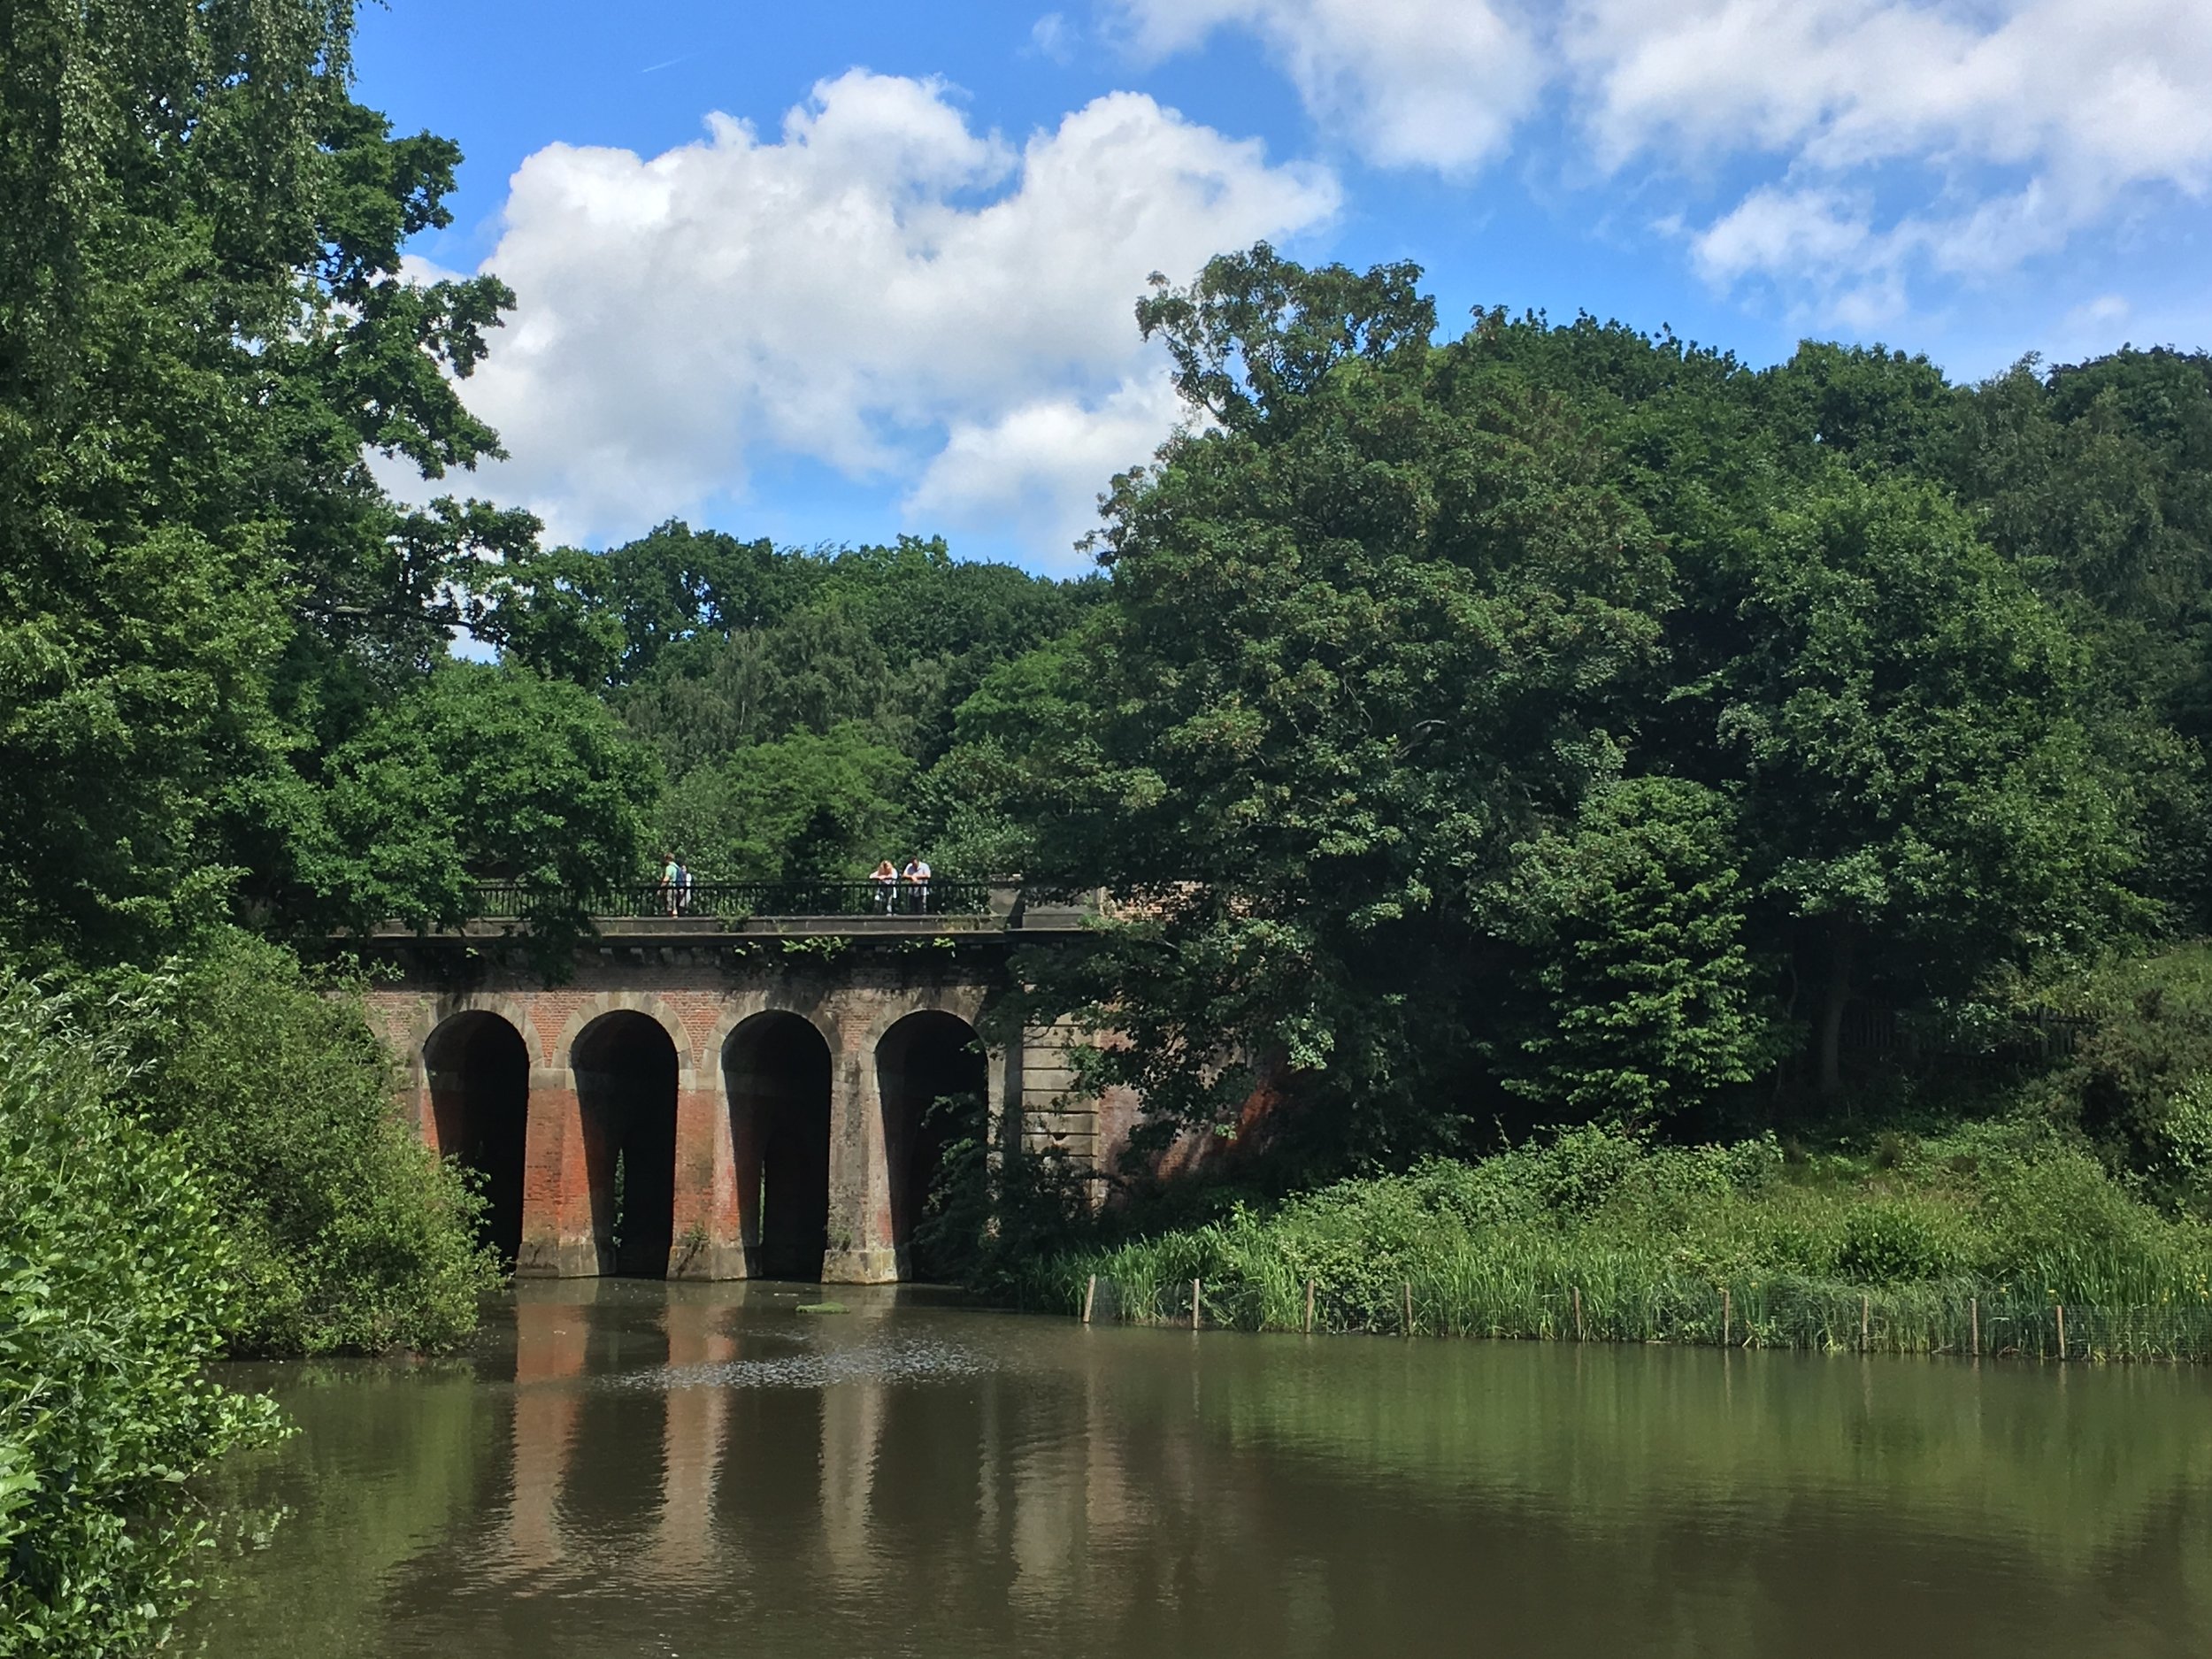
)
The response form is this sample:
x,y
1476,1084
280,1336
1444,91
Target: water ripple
x,y
911,1360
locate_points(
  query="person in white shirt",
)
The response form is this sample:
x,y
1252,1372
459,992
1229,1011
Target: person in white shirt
x,y
916,876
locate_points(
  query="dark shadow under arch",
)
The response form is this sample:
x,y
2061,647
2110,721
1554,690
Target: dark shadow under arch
x,y
626,1084
931,1076
775,1073
479,1071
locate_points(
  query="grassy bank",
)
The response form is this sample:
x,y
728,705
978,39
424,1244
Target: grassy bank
x,y
1990,1235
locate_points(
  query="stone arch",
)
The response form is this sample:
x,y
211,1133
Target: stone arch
x,y
962,1002
629,1066
777,1070
592,1009
933,1079
475,1066
743,1009
410,1035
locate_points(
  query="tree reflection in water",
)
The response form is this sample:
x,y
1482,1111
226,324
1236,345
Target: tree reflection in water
x,y
634,1468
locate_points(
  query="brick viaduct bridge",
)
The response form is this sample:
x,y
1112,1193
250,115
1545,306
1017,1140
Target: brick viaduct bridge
x,y
760,1085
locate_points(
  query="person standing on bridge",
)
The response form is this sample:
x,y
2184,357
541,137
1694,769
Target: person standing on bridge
x,y
670,871
887,880
916,877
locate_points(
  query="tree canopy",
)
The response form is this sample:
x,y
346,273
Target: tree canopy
x,y
1557,722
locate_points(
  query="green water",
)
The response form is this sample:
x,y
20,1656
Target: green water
x,y
625,1468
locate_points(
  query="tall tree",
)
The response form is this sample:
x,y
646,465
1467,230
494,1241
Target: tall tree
x,y
1921,797
201,326
1372,626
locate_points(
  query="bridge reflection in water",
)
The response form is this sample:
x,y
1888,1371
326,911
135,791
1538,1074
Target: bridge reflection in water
x,y
631,1470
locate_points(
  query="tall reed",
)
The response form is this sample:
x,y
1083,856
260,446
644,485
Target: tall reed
x,y
1684,1248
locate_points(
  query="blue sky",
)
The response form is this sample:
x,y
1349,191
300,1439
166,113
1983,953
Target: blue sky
x,y
830,271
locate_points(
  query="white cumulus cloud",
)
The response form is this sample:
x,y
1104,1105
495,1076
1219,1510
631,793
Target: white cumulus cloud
x,y
1954,137
881,289
1436,83
1998,130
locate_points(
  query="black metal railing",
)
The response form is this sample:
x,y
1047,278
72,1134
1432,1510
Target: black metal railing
x,y
736,901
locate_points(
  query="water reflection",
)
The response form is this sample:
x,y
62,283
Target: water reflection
x,y
628,1469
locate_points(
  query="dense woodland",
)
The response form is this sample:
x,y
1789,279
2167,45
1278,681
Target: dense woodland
x,y
1478,732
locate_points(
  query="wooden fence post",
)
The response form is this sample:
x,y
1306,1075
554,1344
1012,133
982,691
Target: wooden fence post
x,y
1407,1322
1193,1304
2062,1328
1974,1324
1090,1294
1309,1306
1578,1313
1726,1311
1866,1321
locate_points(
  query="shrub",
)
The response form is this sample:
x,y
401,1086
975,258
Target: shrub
x,y
2057,1206
1599,1233
116,1284
988,1217
2145,1040
2180,1158
1886,1242
351,1235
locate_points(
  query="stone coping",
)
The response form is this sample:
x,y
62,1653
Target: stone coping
x,y
693,930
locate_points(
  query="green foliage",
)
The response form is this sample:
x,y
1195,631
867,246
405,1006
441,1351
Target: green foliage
x,y
117,1281
1381,625
809,806
1879,409
1887,1241
347,1232
202,326
1550,724
2140,1066
505,775
1639,996
808,673
990,1220
1642,1240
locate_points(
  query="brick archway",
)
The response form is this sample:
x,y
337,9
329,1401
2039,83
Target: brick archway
x,y
932,1081
475,1068
777,1070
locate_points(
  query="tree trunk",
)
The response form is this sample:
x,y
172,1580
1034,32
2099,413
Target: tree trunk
x,y
1842,934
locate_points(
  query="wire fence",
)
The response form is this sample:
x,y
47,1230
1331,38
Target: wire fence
x,y
1785,1313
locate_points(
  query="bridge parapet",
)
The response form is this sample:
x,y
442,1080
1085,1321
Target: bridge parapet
x,y
514,901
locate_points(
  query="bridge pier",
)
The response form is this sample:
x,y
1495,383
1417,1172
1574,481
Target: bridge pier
x,y
557,1238
708,1242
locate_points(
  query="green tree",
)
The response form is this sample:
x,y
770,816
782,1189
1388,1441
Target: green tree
x,y
201,327
812,805
1640,995
481,773
1380,623
609,619
814,671
1920,798
117,1281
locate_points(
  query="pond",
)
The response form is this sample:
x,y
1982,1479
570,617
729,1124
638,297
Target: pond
x,y
621,1469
